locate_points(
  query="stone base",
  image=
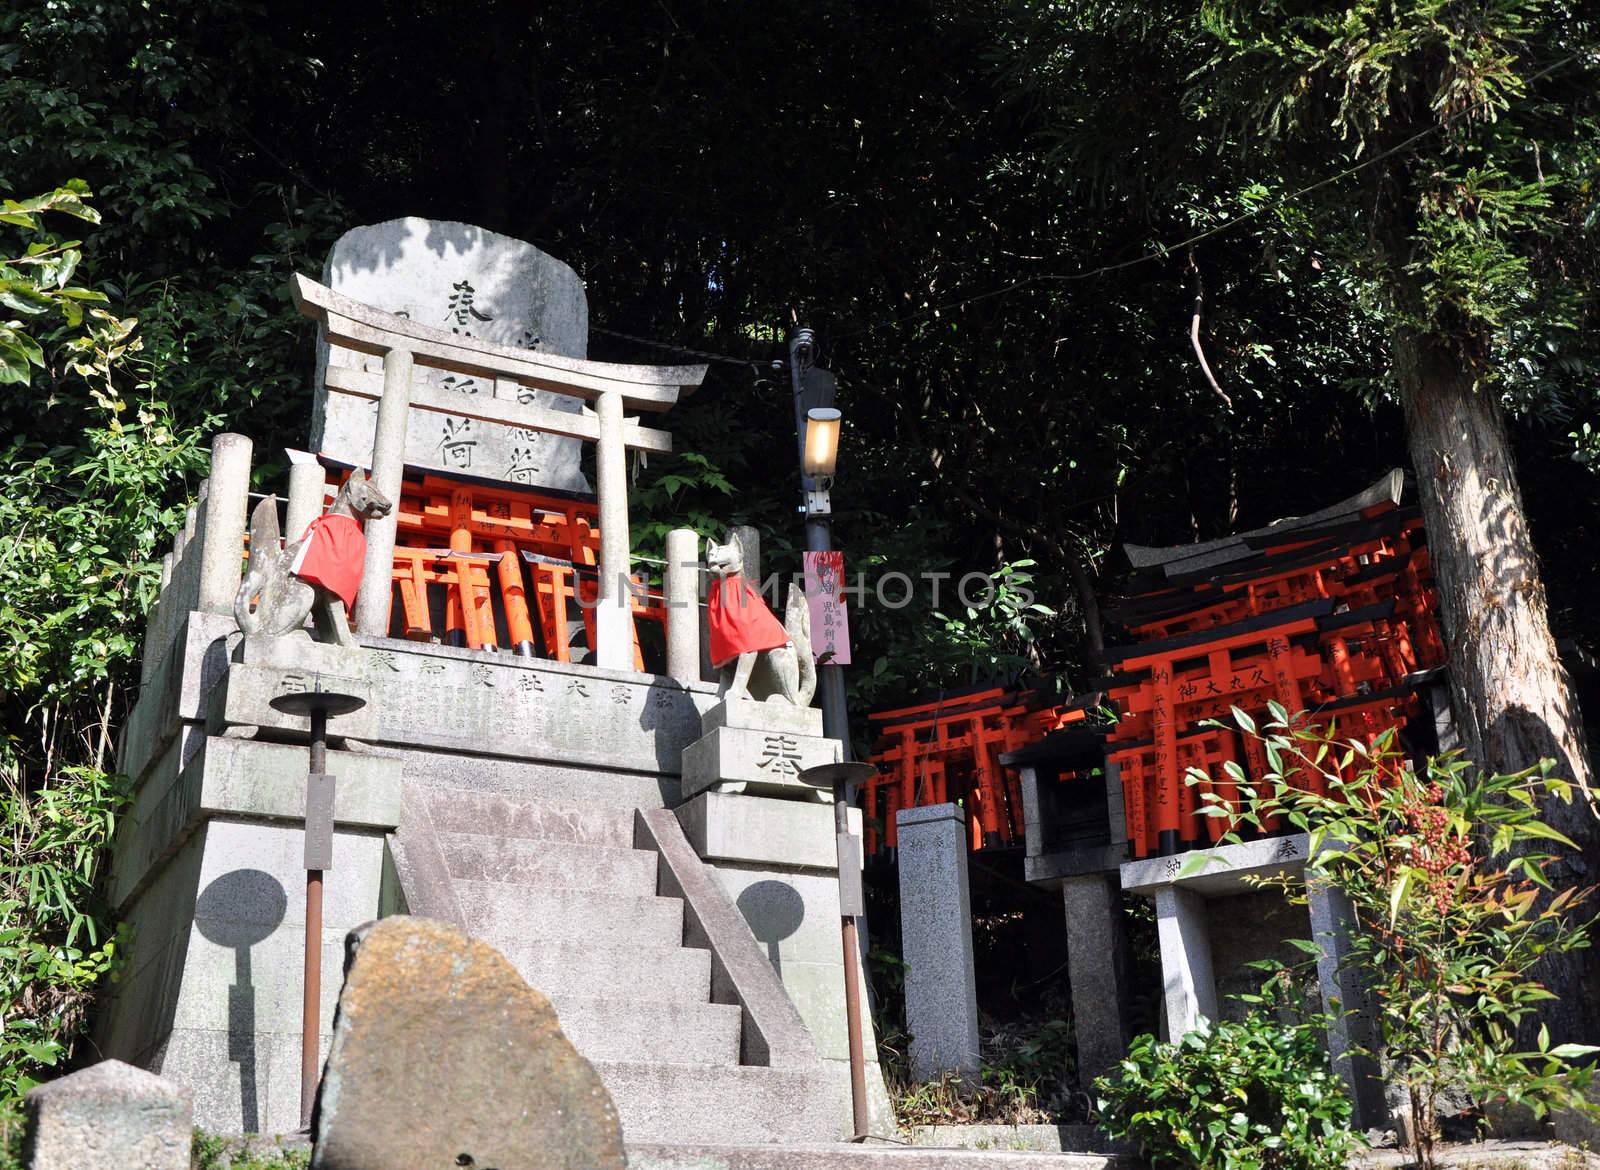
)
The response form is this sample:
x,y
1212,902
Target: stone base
x,y
207,870
776,714
758,762
728,828
299,652
241,703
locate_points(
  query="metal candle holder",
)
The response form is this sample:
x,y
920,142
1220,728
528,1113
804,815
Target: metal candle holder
x,y
315,704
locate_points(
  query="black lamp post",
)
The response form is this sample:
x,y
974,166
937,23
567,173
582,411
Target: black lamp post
x,y
817,426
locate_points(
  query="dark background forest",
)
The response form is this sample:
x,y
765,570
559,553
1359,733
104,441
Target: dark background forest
x,y
1001,218
974,204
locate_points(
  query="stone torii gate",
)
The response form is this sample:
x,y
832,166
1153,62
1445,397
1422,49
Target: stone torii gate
x,y
612,390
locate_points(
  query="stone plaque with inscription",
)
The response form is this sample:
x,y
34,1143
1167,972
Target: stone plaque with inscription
x,y
474,282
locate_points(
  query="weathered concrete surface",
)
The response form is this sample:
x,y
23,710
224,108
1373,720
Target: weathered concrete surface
x,y
1220,871
773,1032
441,1052
1490,1155
469,704
108,1117
936,941
758,715
1189,989
727,827
1354,1033
793,912
471,281
207,872
235,777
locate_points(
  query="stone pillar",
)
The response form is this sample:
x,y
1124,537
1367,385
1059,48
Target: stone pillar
x,y
227,501
1097,948
308,486
1188,986
388,470
1352,1031
111,1116
936,942
682,588
613,616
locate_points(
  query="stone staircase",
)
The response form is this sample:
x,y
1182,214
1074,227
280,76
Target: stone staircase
x,y
564,895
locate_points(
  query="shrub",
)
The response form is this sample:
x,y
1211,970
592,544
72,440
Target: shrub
x,y
1445,869
1256,1095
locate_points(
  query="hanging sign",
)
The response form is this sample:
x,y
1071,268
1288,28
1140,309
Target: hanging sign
x,y
830,622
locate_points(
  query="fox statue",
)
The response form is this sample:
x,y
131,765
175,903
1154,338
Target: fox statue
x,y
746,640
316,575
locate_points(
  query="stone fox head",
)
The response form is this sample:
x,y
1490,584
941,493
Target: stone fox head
x,y
726,560
362,497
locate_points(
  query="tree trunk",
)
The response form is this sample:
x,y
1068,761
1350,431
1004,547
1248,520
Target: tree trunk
x,y
1513,705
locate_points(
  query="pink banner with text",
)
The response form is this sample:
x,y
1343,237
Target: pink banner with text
x,y
830,621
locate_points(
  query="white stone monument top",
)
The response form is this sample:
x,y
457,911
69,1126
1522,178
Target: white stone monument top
x,y
473,283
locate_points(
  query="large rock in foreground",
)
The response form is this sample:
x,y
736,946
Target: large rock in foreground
x,y
442,1057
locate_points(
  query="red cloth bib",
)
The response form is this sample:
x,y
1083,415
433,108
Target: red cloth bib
x,y
740,621
331,554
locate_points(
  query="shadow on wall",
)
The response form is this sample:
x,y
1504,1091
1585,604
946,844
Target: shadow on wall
x,y
774,911
238,910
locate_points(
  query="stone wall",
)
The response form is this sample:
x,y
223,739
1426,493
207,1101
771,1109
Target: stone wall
x,y
207,868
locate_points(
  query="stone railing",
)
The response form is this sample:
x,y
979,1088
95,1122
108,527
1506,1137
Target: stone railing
x,y
206,563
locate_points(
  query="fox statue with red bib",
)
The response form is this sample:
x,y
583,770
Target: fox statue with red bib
x,y
747,640
315,576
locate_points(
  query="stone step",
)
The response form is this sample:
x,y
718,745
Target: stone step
x,y
677,1103
500,914
634,1030
463,810
649,974
549,864
847,1156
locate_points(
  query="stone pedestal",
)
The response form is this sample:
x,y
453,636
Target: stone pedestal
x,y
759,748
1188,890
1353,1035
777,860
207,869
936,942
1097,965
1189,989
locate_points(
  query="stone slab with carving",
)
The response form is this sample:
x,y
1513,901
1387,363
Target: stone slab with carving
x,y
443,1056
471,281
765,762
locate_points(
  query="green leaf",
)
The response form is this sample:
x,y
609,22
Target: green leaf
x,y
1397,893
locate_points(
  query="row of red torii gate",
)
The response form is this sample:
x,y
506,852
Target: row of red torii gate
x,y
1332,614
